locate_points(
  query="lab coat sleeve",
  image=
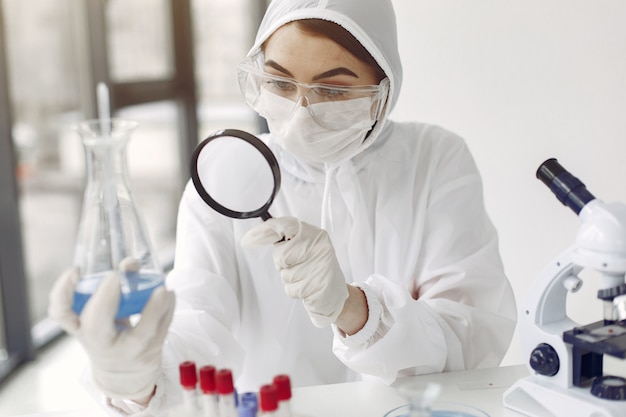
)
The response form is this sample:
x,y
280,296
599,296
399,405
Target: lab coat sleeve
x,y
457,311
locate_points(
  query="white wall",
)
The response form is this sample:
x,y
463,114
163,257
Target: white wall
x,y
523,81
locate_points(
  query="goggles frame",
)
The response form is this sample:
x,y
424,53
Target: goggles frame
x,y
253,80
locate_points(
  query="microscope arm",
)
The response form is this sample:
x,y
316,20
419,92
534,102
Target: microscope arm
x,y
544,318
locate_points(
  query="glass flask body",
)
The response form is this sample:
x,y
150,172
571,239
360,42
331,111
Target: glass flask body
x,y
111,232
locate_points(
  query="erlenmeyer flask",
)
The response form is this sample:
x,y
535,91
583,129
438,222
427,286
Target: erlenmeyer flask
x,y
111,232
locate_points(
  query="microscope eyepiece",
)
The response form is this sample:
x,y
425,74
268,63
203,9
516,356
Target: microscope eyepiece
x,y
568,189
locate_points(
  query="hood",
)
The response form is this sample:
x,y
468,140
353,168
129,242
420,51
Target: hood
x,y
371,22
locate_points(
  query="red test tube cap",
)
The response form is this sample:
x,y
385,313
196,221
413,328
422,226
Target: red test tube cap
x,y
207,379
188,375
283,387
224,382
268,398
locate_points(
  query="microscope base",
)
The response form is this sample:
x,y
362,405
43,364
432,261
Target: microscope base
x,y
533,396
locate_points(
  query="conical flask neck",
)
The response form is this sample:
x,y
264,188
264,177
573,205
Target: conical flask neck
x,y
111,227
106,162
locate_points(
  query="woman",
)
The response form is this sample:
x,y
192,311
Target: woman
x,y
381,229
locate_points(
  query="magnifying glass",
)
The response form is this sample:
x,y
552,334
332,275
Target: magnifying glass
x,y
236,174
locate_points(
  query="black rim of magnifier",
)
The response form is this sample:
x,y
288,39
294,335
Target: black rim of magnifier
x,y
262,148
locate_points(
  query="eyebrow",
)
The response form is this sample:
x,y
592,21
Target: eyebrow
x,y
327,74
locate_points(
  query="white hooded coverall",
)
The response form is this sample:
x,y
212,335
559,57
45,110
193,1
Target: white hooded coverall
x,y
408,224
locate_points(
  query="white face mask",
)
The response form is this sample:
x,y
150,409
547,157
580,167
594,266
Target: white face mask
x,y
303,136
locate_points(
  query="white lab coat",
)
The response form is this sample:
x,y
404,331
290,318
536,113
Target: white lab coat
x,y
408,223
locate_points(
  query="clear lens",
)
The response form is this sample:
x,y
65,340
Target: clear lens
x,y
254,83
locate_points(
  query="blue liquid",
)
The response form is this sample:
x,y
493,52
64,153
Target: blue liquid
x,y
136,290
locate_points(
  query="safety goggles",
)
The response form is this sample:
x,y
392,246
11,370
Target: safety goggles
x,y
255,83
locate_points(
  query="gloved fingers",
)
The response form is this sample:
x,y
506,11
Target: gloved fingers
x,y
271,231
98,316
309,271
312,245
61,298
304,283
156,316
130,264
299,288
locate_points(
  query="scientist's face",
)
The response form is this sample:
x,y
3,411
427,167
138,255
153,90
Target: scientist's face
x,y
326,115
307,58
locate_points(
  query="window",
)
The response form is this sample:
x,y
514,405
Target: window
x,y
170,65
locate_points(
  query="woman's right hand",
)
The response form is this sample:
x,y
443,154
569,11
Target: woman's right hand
x,y
125,361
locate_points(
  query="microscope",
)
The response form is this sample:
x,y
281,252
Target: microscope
x,y
565,358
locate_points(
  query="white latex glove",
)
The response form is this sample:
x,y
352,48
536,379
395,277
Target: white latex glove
x,y
307,264
125,360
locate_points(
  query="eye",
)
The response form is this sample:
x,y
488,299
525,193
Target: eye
x,y
281,86
330,93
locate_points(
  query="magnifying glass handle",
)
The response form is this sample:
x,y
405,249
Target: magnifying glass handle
x,y
266,216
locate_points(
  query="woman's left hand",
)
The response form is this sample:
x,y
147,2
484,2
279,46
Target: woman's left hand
x,y
305,258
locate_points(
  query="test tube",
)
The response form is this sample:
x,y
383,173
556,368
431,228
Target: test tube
x,y
226,393
209,391
268,400
189,382
246,410
248,404
283,391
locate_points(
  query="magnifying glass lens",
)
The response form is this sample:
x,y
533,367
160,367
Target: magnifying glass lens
x,y
236,174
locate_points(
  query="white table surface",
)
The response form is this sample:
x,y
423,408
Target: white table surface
x,y
482,388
